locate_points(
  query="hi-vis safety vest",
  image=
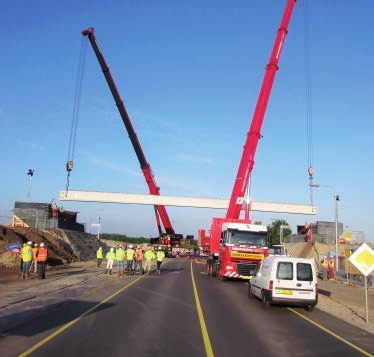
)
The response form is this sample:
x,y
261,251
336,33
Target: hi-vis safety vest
x,y
27,254
331,264
160,255
325,263
149,255
99,254
111,256
130,254
139,254
42,255
120,254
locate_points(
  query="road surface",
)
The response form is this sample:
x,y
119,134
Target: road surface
x,y
182,312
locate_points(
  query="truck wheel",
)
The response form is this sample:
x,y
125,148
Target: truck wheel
x,y
250,293
265,303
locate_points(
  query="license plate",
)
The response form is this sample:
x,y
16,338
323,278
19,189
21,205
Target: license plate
x,y
286,292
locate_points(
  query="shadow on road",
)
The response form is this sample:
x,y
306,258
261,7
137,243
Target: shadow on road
x,y
55,316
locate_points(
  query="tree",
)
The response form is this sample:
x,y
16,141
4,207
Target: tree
x,y
274,230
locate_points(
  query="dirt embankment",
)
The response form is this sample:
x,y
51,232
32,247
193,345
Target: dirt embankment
x,y
57,250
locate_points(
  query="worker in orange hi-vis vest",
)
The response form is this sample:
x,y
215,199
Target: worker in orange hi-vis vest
x,y
139,260
42,261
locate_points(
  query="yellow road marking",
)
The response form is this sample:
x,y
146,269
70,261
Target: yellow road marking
x,y
63,328
208,347
332,333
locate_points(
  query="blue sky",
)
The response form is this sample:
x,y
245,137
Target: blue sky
x,y
189,73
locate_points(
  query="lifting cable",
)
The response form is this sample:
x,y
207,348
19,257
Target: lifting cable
x,y
308,96
76,107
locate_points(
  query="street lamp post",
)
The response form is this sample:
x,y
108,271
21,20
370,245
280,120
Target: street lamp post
x,y
30,174
336,199
281,238
98,227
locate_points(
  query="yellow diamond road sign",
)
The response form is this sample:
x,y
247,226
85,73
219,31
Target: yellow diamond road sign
x,y
363,259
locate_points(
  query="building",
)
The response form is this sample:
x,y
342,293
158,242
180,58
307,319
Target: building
x,y
45,216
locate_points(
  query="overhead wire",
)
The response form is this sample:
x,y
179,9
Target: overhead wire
x,y
308,84
76,108
308,97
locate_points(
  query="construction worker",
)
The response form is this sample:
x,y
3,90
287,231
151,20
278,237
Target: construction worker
x,y
325,266
120,256
139,260
42,261
160,257
27,258
54,210
148,256
110,256
21,258
130,259
34,263
99,256
331,268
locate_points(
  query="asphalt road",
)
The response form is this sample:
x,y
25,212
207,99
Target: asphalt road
x,y
182,312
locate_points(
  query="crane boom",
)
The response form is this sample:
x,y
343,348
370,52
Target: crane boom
x,y
144,165
253,135
235,246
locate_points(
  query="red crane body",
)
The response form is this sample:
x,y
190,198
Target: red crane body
x,y
144,165
237,247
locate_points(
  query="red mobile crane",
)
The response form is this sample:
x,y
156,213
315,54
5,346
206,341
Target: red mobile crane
x,y
236,246
160,211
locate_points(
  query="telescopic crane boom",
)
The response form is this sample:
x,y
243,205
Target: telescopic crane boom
x,y
144,165
236,246
253,135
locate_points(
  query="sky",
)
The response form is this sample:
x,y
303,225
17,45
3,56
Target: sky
x,y
189,73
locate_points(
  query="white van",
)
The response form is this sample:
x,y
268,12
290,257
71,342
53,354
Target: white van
x,y
286,281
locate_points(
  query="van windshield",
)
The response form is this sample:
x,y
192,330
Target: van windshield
x,y
304,272
252,239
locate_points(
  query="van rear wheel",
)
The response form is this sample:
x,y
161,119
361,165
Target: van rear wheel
x,y
264,301
309,308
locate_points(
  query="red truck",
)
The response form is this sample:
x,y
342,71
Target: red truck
x,y
237,247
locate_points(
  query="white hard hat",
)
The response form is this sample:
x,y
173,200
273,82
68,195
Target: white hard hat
x,y
159,248
130,246
29,242
42,244
100,248
111,249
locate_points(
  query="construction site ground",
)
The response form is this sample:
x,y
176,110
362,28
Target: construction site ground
x,y
69,277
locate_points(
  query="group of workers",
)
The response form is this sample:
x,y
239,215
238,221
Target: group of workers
x,y
327,268
33,259
134,260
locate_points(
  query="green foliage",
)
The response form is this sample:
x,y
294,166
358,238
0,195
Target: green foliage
x,y
275,228
123,238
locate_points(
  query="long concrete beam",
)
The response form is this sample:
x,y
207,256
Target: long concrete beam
x,y
181,201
